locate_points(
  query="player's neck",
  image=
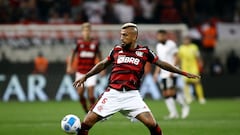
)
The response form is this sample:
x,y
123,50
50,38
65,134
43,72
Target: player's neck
x,y
86,38
133,46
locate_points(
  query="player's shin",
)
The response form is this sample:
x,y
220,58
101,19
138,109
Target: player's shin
x,y
92,101
84,103
156,130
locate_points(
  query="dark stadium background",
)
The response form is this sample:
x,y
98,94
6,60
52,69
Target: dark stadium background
x,y
195,14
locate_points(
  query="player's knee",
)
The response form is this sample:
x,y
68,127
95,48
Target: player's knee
x,y
150,124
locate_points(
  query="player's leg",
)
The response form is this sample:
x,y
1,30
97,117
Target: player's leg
x,y
199,92
148,120
90,119
82,98
169,94
187,93
80,91
134,106
91,95
180,97
105,106
90,84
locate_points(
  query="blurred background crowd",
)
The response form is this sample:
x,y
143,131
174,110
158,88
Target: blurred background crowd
x,y
190,12
25,51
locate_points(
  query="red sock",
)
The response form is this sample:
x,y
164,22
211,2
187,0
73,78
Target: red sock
x,y
84,104
156,130
84,129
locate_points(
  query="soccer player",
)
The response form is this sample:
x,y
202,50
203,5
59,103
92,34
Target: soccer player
x,y
191,62
87,51
122,95
167,51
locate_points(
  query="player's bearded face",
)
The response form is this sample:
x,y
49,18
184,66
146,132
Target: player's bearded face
x,y
126,39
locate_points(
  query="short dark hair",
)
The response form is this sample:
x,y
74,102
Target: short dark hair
x,y
162,31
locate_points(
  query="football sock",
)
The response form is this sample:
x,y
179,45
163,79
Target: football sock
x,y
84,104
84,129
199,91
180,99
171,105
156,130
187,93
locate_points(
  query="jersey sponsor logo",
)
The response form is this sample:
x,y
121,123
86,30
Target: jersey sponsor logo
x,y
86,54
125,59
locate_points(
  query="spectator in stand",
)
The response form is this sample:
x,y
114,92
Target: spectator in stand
x,y
209,41
95,11
66,18
40,64
166,12
109,11
124,11
233,62
148,9
54,18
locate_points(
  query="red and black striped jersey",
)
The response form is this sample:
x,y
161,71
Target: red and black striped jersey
x,y
128,66
86,51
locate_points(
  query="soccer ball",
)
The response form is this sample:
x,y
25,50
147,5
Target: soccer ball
x,y
70,124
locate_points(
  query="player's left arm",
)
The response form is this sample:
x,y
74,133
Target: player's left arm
x,y
170,68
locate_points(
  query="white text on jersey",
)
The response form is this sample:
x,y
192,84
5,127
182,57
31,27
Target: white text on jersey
x,y
86,54
124,59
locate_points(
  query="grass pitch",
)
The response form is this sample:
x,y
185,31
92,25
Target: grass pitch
x,y
217,117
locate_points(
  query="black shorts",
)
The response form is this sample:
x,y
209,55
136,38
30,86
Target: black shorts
x,y
168,83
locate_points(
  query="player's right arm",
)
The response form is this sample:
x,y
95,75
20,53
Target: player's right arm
x,y
71,59
96,69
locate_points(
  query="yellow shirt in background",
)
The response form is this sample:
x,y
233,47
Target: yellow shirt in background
x,y
188,56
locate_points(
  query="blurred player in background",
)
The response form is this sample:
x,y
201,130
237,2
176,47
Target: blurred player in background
x,y
122,95
87,51
167,51
191,61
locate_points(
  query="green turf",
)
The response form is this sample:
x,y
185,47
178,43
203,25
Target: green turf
x,y
217,117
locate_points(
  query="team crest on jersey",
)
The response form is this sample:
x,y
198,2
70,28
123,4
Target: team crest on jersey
x,y
138,53
92,46
82,46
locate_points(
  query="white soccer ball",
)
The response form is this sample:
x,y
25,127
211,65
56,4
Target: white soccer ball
x,y
70,124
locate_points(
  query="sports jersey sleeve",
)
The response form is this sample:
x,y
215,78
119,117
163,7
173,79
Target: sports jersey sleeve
x,y
152,57
174,48
110,56
196,51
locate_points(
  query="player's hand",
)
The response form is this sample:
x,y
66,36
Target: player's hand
x,y
189,75
80,82
69,70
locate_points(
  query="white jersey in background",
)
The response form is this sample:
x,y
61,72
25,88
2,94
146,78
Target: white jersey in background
x,y
166,53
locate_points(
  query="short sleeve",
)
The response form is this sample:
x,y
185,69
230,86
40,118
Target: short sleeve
x,y
196,50
174,48
110,55
152,57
